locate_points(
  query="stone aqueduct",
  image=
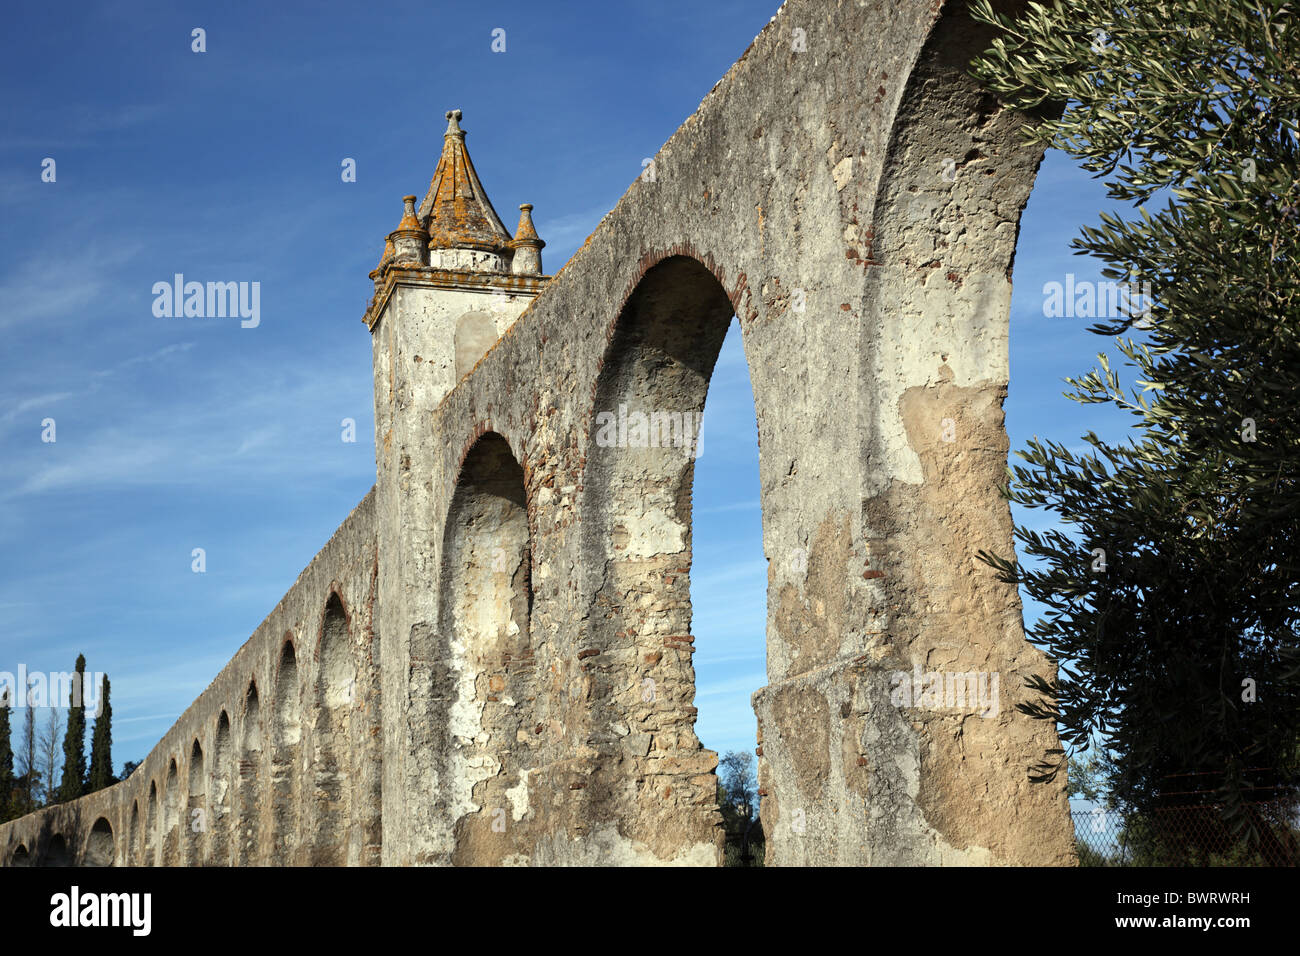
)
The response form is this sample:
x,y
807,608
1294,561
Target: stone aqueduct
x,y
511,587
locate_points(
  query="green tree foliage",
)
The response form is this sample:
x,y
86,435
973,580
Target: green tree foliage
x,y
73,782
1088,778
101,745
1170,585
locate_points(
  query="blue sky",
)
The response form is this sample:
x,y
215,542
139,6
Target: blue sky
x,y
174,434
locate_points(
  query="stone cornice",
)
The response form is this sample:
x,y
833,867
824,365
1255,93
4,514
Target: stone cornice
x,y
418,276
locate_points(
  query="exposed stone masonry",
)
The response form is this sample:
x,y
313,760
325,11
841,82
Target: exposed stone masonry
x,y
517,594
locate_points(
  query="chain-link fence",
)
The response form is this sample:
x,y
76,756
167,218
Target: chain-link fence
x,y
1188,836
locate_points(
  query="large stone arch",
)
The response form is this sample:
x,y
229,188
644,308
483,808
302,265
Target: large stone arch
x,y
489,679
649,401
907,784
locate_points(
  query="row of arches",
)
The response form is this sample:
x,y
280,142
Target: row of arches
x,y
253,785
255,797
271,767
249,793
97,851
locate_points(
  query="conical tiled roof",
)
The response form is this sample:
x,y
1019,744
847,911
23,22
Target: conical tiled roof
x,y
459,213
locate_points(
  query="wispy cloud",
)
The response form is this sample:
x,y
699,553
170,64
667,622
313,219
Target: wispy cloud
x,y
224,429
34,293
740,684
79,127
565,233
36,402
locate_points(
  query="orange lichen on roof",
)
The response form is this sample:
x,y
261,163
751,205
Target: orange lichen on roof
x,y
526,234
408,216
456,207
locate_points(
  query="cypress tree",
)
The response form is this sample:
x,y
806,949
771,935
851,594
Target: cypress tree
x,y
101,745
6,762
30,777
74,741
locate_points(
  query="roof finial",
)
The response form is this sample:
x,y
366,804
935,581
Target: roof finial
x,y
409,239
527,233
453,123
409,220
526,245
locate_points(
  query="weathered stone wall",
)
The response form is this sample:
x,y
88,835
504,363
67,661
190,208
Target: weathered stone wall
x,y
808,195
281,755
853,199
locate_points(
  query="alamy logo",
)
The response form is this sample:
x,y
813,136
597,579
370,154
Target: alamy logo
x,y
102,909
973,691
52,689
1097,300
215,300
658,429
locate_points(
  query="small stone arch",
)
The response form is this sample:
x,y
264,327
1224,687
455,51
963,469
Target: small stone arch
x,y
171,817
133,833
251,739
195,826
99,845
21,857
287,723
221,784
56,852
151,826
250,777
335,697
285,740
